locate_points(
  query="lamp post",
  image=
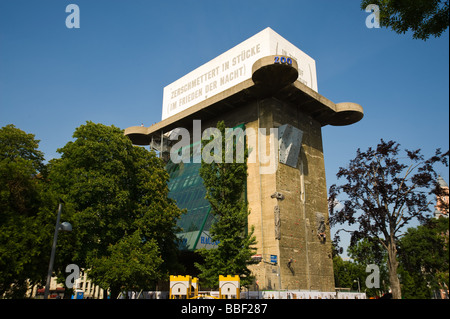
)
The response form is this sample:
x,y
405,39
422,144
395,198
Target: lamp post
x,y
65,226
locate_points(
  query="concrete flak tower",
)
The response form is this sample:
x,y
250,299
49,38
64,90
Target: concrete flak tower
x,y
267,86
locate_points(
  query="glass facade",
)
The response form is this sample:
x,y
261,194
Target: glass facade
x,y
186,187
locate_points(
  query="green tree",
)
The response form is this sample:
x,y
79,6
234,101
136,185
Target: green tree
x,y
131,264
26,213
424,258
225,186
424,18
362,254
384,194
366,252
118,192
348,273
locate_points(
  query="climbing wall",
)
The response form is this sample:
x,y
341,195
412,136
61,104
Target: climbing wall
x,y
289,207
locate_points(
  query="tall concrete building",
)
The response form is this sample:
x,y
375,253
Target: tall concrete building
x,y
267,87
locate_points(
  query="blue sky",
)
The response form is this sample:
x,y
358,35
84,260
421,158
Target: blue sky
x,y
112,69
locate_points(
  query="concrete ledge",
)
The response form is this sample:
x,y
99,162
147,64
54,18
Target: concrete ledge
x,y
269,79
346,113
138,135
271,76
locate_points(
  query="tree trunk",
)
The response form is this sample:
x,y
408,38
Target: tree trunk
x,y
393,266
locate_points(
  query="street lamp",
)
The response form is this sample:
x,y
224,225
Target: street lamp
x,y
65,226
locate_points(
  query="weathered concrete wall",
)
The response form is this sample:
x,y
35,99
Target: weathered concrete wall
x,y
305,194
304,258
260,187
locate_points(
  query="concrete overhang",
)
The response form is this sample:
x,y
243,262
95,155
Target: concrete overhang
x,y
269,79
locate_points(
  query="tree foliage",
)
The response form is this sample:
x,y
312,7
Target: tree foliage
x,y
347,274
118,193
424,18
362,254
384,195
225,186
116,198
370,252
424,259
27,210
131,264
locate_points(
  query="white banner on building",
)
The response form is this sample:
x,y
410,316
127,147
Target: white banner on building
x,y
232,68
